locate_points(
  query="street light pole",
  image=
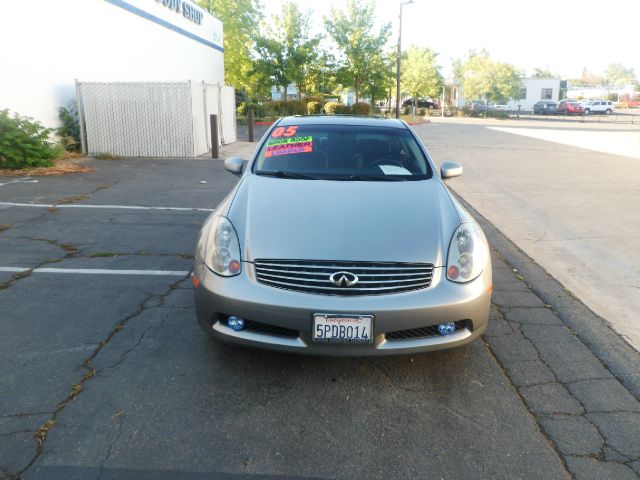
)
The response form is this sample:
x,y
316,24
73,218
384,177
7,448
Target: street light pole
x,y
399,56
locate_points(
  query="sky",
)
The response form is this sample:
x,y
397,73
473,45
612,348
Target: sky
x,y
562,35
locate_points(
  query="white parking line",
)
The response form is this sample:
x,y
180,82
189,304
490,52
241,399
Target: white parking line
x,y
20,180
99,271
121,207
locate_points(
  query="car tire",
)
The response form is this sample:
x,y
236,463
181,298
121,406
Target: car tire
x,y
587,111
608,111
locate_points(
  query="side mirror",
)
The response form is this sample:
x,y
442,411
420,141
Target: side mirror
x,y
450,170
234,165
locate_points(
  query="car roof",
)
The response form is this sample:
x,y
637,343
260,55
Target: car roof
x,y
341,120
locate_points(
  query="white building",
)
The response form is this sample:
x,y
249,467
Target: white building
x,y
535,89
47,45
277,93
532,91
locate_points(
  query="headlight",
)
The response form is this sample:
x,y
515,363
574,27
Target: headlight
x,y
222,253
466,258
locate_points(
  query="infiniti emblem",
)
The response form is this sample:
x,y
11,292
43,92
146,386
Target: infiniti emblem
x,y
343,279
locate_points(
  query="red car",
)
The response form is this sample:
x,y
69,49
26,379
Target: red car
x,y
569,107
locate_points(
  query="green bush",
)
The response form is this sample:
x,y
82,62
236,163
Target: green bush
x,y
296,107
314,98
330,108
361,108
69,132
25,143
242,109
278,108
314,108
342,109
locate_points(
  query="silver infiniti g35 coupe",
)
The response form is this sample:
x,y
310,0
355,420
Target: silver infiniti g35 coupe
x,y
342,239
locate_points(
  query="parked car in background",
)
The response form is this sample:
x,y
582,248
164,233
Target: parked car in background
x,y
570,107
545,107
476,106
421,103
500,107
598,106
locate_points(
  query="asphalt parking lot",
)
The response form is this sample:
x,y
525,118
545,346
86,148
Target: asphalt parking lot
x,y
104,372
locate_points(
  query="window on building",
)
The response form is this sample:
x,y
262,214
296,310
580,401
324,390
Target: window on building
x,y
523,93
547,94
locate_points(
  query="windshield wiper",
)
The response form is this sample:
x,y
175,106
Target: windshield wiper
x,y
283,174
378,178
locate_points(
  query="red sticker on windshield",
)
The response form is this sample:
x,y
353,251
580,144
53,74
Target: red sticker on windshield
x,y
285,132
287,146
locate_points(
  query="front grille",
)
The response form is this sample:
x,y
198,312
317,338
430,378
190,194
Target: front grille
x,y
266,329
422,332
374,278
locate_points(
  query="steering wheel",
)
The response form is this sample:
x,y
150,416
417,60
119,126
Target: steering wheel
x,y
384,161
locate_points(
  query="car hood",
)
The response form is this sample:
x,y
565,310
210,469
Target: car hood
x,y
343,220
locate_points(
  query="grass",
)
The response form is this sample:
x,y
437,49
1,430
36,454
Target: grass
x,y
108,156
63,166
71,199
41,434
76,389
21,275
69,248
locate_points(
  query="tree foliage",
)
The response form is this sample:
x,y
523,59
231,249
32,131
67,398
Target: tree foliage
x,y
483,77
382,77
543,73
618,75
359,45
240,19
287,53
420,73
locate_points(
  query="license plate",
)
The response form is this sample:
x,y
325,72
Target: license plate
x,y
339,328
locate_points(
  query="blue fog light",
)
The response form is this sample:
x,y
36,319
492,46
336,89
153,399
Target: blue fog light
x,y
235,323
446,328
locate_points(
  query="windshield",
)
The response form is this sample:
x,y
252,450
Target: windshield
x,y
342,152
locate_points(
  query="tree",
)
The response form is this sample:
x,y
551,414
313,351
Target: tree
x,y
359,45
321,74
618,75
484,77
420,73
590,78
240,22
543,73
382,76
286,51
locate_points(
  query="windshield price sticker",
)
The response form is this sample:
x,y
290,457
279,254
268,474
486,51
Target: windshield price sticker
x,y
287,146
285,132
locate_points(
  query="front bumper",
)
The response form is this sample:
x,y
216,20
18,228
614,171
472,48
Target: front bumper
x,y
444,301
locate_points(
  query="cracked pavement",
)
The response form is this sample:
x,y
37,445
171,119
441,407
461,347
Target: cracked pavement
x,y
130,387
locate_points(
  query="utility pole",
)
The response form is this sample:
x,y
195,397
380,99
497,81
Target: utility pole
x,y
399,56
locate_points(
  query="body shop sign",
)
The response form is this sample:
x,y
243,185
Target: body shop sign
x,y
187,10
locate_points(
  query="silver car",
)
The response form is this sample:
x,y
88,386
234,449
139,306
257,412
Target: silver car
x,y
341,238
